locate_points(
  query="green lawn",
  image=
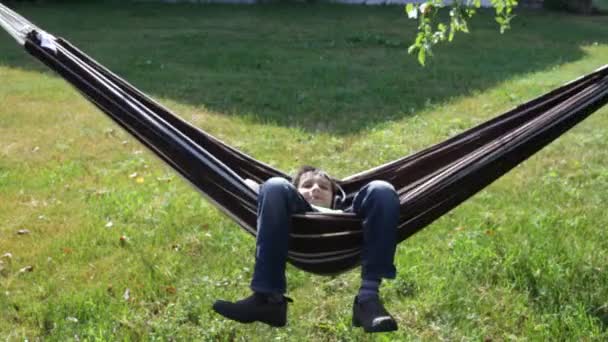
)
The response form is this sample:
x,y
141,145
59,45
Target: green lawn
x,y
601,4
291,84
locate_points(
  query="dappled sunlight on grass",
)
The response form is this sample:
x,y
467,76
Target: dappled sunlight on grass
x,y
235,61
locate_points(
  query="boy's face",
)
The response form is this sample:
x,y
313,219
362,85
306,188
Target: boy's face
x,y
316,189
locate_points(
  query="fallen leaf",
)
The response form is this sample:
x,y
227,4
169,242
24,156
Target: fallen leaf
x,y
27,269
139,180
7,256
123,240
171,289
67,250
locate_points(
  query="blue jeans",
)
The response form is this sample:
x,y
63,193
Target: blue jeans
x,y
377,204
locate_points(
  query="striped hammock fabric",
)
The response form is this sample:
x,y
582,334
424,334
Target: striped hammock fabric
x,y
429,183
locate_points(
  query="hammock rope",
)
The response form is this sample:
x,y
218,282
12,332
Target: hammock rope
x,y
15,25
430,182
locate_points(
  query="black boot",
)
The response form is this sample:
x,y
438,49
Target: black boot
x,y
372,315
257,307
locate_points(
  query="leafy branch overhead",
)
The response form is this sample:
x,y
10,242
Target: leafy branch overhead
x,y
432,30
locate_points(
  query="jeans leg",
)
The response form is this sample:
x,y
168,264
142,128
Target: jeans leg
x,y
277,201
378,205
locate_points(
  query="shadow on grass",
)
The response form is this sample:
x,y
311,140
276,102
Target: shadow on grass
x,y
601,314
337,69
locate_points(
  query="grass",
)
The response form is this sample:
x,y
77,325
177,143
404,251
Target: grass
x,y
601,4
331,86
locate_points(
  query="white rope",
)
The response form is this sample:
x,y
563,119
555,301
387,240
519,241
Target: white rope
x,y
18,27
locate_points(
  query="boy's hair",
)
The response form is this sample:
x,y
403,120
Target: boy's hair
x,y
307,168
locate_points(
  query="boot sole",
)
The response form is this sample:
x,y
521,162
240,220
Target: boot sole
x,y
275,324
384,326
236,318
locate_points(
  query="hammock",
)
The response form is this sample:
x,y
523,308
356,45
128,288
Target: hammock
x,y
429,183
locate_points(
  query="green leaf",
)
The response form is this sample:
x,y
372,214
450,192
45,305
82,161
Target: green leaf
x,y
411,10
459,15
412,49
421,56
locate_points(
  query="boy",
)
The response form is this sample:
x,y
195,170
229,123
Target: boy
x,y
377,204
